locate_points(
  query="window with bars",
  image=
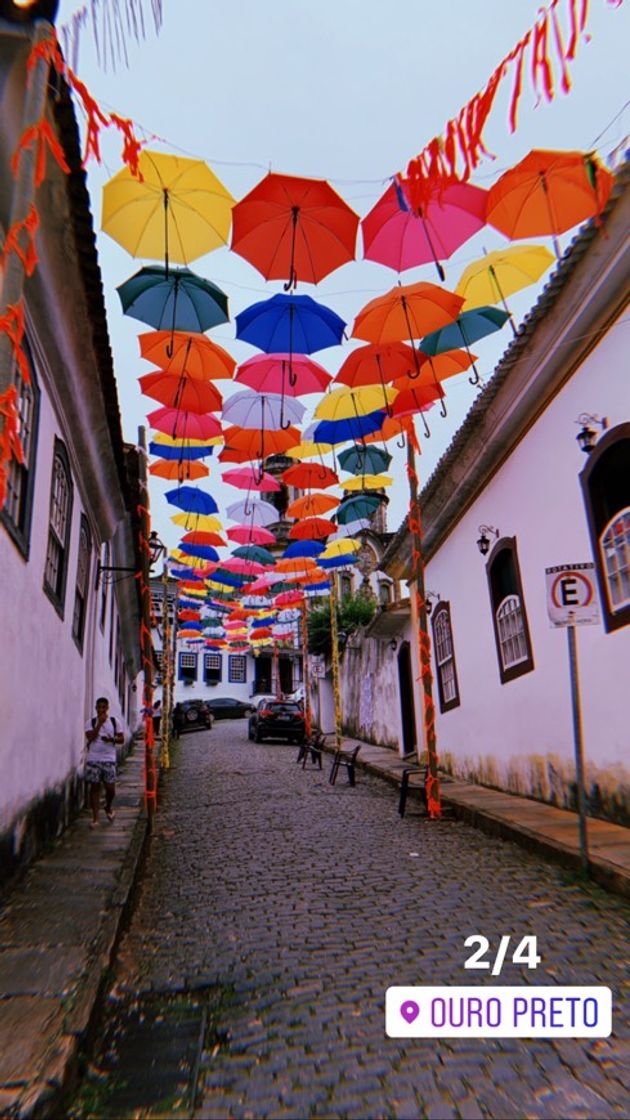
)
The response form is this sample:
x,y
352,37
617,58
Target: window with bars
x,y
83,583
237,669
20,478
606,487
188,667
212,665
511,629
56,569
448,687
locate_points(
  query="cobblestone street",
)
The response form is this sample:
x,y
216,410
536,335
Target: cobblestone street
x,y
307,901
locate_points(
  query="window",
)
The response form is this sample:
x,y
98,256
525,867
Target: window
x,y
237,669
83,583
511,630
345,586
212,668
606,488
56,569
18,506
188,667
448,687
384,593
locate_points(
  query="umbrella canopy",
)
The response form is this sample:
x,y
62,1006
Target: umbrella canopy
x,y
288,598
290,324
340,548
405,312
187,352
293,229
375,363
351,528
344,404
307,449
362,460
303,548
250,534
306,475
352,509
179,300
312,505
354,428
186,393
437,368
498,275
203,536
253,510
203,551
242,567
468,328
393,427
311,529
255,552
368,482
290,375
261,411
197,521
401,237
176,208
191,500
548,192
178,471
176,422
178,451
247,478
295,566
417,398
244,445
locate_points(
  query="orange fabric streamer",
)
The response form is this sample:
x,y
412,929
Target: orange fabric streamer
x,y
10,443
43,136
12,324
28,254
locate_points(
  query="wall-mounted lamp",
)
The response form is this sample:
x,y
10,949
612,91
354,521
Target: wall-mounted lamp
x,y
25,11
586,437
156,550
431,599
483,541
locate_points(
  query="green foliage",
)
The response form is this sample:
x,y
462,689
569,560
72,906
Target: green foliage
x,y
354,611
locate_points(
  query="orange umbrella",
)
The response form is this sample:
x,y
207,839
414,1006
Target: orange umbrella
x,y
201,536
367,365
243,445
178,469
189,394
193,354
311,505
297,566
419,398
548,192
312,529
435,369
305,475
405,312
393,427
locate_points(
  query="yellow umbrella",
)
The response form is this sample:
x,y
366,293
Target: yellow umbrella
x,y
341,404
308,450
206,521
184,441
498,275
179,210
340,548
367,482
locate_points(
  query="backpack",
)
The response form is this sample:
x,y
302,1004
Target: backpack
x,y
114,725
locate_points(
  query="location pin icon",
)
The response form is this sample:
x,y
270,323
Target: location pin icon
x,y
409,1010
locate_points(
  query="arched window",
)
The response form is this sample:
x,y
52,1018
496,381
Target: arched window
x,y
18,507
606,488
511,630
83,583
448,687
345,585
56,569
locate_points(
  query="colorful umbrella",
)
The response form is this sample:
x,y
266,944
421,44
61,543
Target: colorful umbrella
x,y
303,548
177,451
548,192
306,475
247,478
311,529
306,449
178,471
250,534
187,352
467,328
352,509
198,521
176,422
244,445
360,460
344,404
202,551
253,510
294,229
255,552
191,500
500,274
179,300
203,536
340,548
262,411
311,505
290,324
367,482
375,364
185,393
405,312
418,398
354,428
397,235
291,375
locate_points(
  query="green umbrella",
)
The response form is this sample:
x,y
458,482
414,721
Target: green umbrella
x,y
364,460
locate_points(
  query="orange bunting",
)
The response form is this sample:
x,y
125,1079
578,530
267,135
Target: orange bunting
x,y
10,444
27,254
43,137
12,324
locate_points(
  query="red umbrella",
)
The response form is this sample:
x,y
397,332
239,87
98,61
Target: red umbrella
x,y
250,534
293,229
367,365
312,529
187,393
306,475
184,425
289,374
246,478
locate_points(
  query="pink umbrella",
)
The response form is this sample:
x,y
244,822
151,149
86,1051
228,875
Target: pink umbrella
x,y
243,567
250,534
247,478
397,235
184,425
288,374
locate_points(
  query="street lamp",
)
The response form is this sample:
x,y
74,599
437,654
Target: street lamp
x,y
483,542
25,11
586,437
156,550
430,597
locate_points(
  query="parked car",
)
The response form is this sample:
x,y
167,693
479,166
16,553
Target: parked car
x,y
227,707
277,719
192,715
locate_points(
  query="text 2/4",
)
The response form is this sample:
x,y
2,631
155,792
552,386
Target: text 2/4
x,y
524,953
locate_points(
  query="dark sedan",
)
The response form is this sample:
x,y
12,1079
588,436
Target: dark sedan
x,y
227,707
277,719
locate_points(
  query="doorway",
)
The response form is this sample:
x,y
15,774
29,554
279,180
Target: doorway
x,y
407,705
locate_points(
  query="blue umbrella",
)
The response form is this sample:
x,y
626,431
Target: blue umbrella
x,y
337,562
290,325
300,549
317,588
363,505
203,551
177,301
192,500
364,460
353,428
469,327
186,451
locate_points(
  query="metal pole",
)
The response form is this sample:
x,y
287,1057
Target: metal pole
x,y
275,671
308,718
578,742
166,675
150,773
335,659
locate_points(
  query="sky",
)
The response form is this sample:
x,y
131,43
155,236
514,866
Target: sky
x,y
349,91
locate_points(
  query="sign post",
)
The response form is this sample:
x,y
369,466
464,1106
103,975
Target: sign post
x,y
571,602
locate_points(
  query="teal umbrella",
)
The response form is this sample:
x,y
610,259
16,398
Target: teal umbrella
x,y
177,301
364,460
254,552
352,509
469,327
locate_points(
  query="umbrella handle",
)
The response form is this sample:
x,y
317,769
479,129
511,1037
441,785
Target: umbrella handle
x,y
401,442
443,411
476,380
427,430
284,424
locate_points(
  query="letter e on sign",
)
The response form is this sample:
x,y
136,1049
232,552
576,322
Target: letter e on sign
x,y
572,595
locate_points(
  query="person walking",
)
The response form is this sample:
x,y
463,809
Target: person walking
x,y
102,736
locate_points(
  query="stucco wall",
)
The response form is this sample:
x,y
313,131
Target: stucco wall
x,y
370,701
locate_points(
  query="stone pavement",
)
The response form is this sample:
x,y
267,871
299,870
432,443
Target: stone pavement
x,y
339,913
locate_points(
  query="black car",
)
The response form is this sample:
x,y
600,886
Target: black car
x,y
226,707
191,715
277,719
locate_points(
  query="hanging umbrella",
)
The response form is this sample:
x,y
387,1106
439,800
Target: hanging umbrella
x,y
351,528
467,328
437,368
202,551
244,445
242,567
293,229
246,478
311,505
253,510
311,529
291,375
375,364
548,192
307,449
250,534
399,236
290,324
340,548
178,471
362,460
178,451
262,411
354,428
179,301
184,393
303,476
176,208
367,482
498,275
295,565
202,536
197,521
393,427
288,598
352,509
191,500
405,312
345,404
303,548
187,352
176,422
417,398
255,552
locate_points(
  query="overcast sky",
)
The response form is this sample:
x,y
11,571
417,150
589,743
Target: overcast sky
x,y
347,90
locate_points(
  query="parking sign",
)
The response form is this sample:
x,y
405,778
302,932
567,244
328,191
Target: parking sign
x,y
572,595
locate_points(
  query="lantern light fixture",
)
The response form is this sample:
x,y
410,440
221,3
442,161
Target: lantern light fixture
x,y
483,541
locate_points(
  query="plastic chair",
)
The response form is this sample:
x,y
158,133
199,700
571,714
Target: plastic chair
x,y
347,760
